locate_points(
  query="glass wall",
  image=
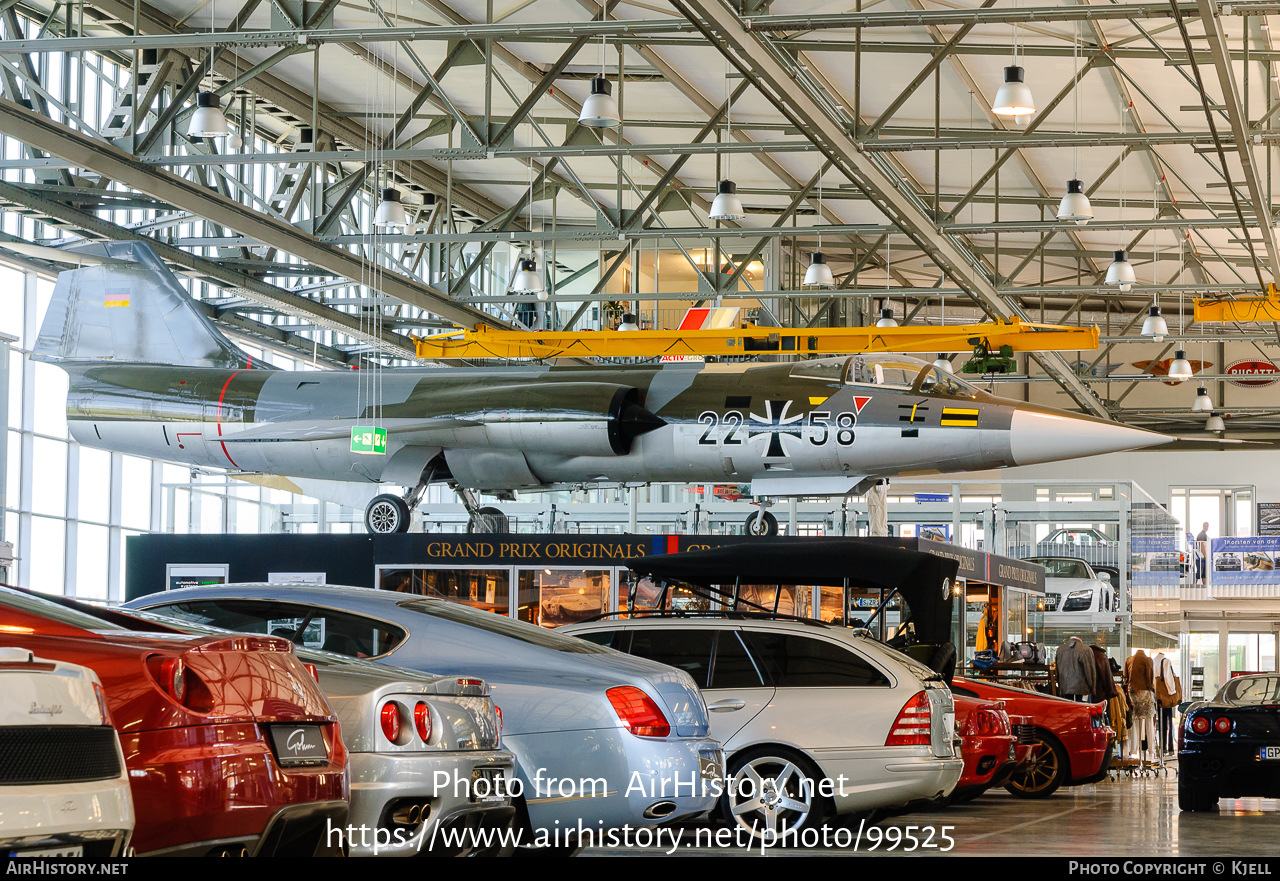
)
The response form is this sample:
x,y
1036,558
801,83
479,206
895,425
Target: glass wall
x,y
1251,652
1200,678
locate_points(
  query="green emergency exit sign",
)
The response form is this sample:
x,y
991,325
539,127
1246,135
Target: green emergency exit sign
x,y
368,439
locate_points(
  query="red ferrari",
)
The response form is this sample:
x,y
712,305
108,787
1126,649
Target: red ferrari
x,y
987,744
1073,742
230,745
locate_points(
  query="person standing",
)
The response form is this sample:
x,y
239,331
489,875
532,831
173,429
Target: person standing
x,y
1202,553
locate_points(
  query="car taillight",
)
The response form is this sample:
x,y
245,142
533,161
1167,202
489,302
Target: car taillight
x,y
315,674
1222,724
422,721
911,728
102,703
497,711
390,718
173,678
1096,719
638,712
1200,725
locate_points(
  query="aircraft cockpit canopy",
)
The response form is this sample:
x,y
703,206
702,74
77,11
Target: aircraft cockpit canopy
x,y
895,371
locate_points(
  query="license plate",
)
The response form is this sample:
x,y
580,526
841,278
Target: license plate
x,y
299,745
74,851
488,786
1269,753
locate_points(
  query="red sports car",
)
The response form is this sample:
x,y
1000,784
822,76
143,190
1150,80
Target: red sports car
x,y
230,745
1073,742
987,744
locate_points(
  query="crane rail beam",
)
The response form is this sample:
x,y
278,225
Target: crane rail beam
x,y
483,342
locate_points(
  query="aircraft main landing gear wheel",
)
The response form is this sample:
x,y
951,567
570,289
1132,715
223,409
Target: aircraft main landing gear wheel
x,y
487,519
386,515
763,523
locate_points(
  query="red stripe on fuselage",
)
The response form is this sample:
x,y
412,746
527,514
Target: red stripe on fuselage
x,y
220,399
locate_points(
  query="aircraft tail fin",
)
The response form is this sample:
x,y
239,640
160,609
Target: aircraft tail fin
x,y
130,308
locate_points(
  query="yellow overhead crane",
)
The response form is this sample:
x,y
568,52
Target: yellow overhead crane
x,y
485,342
1241,309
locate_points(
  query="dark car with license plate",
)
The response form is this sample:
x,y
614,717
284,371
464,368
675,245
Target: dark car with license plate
x,y
1229,747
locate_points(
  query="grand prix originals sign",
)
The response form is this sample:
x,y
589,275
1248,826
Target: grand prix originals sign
x,y
1253,373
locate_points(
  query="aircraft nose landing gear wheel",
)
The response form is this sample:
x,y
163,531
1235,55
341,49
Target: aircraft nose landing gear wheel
x,y
386,515
761,523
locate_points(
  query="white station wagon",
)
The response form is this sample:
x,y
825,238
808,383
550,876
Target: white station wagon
x,y
794,700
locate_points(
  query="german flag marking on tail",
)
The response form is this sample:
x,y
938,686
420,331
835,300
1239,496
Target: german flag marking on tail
x,y
959,417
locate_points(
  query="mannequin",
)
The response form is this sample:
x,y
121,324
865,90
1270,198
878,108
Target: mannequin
x,y
1168,695
1077,670
1139,678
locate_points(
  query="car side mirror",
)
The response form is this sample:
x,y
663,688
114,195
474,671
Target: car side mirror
x,y
1104,576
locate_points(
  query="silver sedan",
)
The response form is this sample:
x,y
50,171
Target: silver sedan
x,y
602,739
423,751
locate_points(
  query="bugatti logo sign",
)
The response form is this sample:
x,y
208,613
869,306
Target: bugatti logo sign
x,y
1253,374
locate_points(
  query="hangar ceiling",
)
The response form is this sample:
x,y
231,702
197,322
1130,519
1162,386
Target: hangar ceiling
x,y
867,123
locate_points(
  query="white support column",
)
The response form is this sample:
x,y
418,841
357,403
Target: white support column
x,y
157,496
70,573
27,423
115,539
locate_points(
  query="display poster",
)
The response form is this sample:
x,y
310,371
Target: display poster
x,y
1244,560
1156,559
1268,518
178,575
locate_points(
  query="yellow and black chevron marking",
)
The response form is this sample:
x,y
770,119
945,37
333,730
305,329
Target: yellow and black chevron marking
x,y
960,417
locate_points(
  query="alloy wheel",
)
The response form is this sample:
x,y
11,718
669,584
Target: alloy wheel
x,y
771,793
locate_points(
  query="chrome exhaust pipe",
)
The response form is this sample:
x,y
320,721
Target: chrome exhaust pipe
x,y
659,810
412,814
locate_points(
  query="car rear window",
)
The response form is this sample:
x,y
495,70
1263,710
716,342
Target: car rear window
x,y
342,633
503,626
796,661
1253,690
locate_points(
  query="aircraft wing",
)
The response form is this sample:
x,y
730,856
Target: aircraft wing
x,y
331,429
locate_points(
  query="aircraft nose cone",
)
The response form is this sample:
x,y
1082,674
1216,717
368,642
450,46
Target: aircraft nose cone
x,y
1036,436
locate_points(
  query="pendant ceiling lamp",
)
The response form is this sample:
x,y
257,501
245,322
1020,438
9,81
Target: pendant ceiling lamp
x,y
600,110
886,318
390,210
1215,423
727,205
819,273
1120,272
1180,369
944,363
1014,97
527,280
235,142
1075,207
629,322
1203,403
208,121
1155,326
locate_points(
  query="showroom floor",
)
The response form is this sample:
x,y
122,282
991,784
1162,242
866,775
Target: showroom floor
x,y
1126,818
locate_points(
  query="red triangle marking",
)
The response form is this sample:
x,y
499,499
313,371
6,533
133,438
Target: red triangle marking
x,y
859,403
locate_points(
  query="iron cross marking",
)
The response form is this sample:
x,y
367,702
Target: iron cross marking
x,y
776,423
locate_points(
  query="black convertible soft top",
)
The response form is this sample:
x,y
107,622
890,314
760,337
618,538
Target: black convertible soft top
x,y
924,580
